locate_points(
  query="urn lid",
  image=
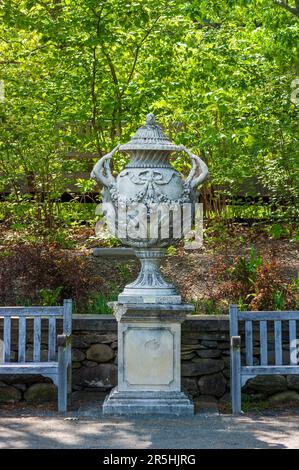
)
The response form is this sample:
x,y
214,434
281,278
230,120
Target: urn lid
x,y
150,137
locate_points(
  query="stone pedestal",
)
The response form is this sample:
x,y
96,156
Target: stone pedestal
x,y
149,361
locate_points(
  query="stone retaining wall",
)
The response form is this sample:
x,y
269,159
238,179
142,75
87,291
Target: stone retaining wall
x,y
205,362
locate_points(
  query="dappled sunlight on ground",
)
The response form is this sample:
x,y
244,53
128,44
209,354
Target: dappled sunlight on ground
x,y
90,429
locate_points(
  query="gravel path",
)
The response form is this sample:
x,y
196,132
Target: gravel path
x,y
90,429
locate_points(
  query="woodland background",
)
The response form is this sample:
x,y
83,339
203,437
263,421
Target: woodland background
x,y
78,77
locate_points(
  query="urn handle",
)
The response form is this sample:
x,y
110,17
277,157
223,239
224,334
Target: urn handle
x,y
193,180
101,172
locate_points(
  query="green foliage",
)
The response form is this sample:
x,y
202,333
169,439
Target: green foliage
x,y
216,232
254,404
277,231
81,75
98,304
22,301
211,308
50,296
242,305
206,307
246,267
295,237
61,239
124,271
295,287
278,300
171,250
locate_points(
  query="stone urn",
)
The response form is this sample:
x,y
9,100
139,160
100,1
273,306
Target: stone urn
x,y
146,205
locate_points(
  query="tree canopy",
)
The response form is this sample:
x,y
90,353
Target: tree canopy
x,y
80,75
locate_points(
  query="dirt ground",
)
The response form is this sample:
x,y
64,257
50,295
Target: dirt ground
x,y
193,271
36,428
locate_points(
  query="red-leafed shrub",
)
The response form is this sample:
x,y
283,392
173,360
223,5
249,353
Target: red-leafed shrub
x,y
255,282
27,270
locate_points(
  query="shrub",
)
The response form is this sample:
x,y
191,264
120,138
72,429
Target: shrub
x,y
268,286
254,282
41,274
98,303
245,268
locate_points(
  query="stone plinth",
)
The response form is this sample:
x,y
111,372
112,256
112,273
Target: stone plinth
x,y
149,360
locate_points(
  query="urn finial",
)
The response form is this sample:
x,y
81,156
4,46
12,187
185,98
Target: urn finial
x,y
150,119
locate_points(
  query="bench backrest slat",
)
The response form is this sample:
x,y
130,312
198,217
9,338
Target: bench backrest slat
x,y
278,342
7,338
67,323
293,342
52,339
249,343
233,320
22,314
263,343
67,317
36,339
22,339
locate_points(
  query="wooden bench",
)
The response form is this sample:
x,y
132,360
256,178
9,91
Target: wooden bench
x,y
240,374
56,368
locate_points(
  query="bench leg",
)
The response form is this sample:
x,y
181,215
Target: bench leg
x,y
236,374
62,379
69,376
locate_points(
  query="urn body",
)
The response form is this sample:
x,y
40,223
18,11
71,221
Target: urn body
x,y
149,206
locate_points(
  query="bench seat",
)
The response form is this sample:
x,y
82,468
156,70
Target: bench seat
x,y
269,370
28,368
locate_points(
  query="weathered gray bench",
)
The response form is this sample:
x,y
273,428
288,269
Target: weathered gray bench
x,y
240,374
56,368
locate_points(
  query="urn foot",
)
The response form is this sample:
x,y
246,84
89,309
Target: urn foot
x,y
150,286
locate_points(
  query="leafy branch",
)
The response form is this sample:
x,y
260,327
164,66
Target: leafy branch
x,y
285,4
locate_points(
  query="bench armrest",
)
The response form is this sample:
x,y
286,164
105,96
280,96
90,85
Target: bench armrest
x,y
64,340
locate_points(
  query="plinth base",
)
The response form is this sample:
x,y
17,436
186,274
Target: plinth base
x,y
147,403
149,361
